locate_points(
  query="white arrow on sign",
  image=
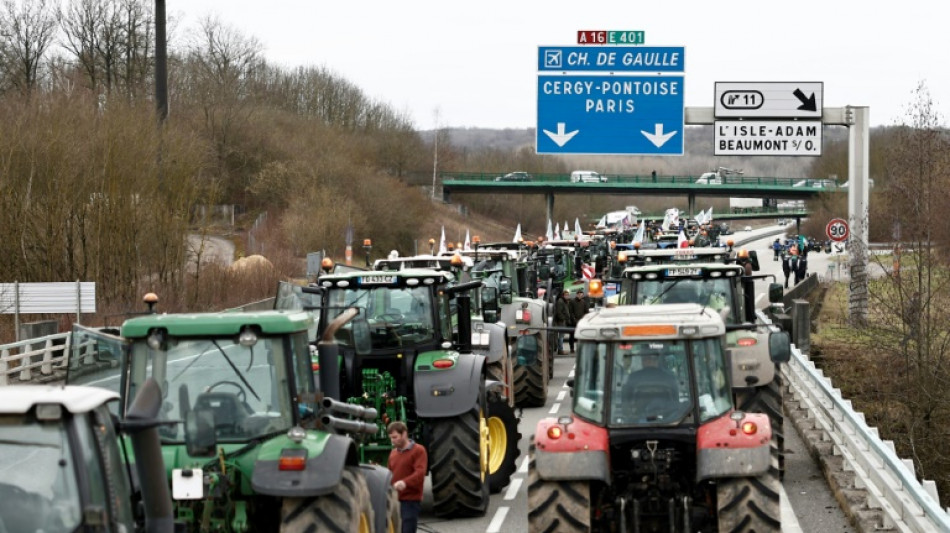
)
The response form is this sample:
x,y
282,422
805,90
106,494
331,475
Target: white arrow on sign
x,y
560,138
658,138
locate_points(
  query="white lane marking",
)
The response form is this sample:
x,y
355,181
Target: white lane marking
x,y
570,375
497,520
513,488
523,469
789,520
555,408
561,395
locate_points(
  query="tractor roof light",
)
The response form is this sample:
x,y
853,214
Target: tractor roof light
x,y
596,288
326,264
456,260
622,257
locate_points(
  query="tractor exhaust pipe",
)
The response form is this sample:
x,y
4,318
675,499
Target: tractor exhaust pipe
x,y
142,426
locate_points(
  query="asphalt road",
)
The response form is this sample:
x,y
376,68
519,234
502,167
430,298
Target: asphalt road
x,y
807,502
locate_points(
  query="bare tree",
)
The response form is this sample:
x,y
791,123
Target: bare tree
x,y
26,33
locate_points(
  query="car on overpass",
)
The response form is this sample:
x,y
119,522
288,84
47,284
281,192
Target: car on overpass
x,y
587,176
515,176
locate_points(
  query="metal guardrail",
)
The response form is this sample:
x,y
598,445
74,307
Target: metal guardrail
x,y
906,504
549,179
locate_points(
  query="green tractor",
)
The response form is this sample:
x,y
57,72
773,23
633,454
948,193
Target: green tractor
x,y
420,368
253,445
524,314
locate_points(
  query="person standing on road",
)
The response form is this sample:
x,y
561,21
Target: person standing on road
x,y
408,462
579,307
562,318
777,248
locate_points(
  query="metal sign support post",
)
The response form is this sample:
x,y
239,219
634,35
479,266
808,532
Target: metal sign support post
x,y
858,183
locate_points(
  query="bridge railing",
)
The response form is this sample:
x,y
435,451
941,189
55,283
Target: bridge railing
x,y
805,183
19,360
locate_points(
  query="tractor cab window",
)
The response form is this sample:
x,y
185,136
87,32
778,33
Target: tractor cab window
x,y
398,317
590,386
715,397
716,293
243,388
650,382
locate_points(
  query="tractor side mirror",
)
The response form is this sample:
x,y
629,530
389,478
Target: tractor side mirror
x,y
776,293
199,433
362,341
504,289
780,347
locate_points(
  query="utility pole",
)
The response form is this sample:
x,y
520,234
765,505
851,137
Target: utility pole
x,y
161,62
435,157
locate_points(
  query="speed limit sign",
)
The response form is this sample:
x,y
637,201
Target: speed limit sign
x,y
837,230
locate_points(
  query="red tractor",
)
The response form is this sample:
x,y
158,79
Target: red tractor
x,y
654,442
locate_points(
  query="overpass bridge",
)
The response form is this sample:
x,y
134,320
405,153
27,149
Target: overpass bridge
x,y
731,186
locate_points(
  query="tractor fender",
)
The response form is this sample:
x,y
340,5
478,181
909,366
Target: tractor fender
x,y
496,348
752,364
581,457
327,455
451,391
378,479
721,451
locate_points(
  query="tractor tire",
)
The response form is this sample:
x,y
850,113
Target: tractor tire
x,y
345,510
557,506
769,400
393,513
503,448
458,463
531,381
746,505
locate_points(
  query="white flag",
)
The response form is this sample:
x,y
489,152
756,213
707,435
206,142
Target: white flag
x,y
565,233
709,215
577,228
442,248
557,232
518,237
468,241
549,235
638,238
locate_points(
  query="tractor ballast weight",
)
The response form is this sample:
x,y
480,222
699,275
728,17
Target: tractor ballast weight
x,y
654,442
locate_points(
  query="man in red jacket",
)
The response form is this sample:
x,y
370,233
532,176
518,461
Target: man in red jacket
x,y
408,462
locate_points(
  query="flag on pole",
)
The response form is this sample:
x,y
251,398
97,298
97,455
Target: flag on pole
x,y
638,238
709,215
518,237
577,228
549,235
467,245
557,232
682,241
565,233
442,248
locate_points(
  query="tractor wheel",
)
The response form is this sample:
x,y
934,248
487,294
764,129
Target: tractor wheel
x,y
346,509
557,506
749,504
504,437
531,381
769,400
393,512
458,463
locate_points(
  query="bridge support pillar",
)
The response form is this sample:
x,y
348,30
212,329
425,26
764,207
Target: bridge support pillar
x,y
549,201
691,202
446,196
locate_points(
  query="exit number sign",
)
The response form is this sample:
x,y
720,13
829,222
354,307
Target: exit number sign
x,y
609,37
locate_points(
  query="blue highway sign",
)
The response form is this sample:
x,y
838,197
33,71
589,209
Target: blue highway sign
x,y
640,115
611,59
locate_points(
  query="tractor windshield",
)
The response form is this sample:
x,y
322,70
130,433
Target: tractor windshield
x,y
716,293
244,386
398,317
650,382
38,487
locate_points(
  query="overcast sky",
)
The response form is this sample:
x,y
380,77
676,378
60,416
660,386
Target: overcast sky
x,y
450,63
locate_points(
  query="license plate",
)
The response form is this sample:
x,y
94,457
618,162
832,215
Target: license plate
x,y
675,272
377,280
